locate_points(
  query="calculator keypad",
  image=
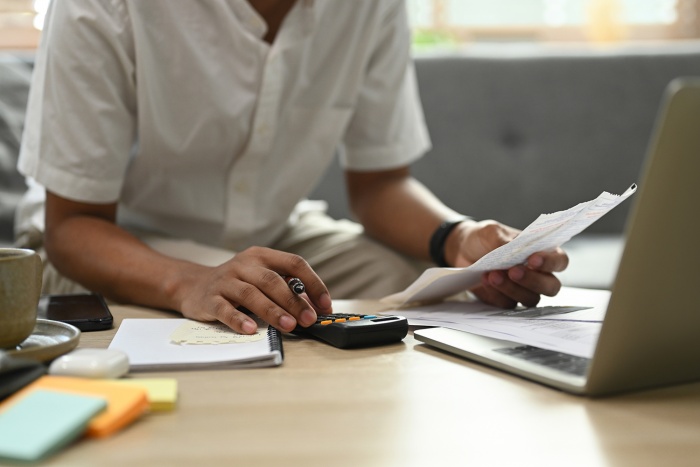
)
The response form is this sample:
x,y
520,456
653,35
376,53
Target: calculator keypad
x,y
340,318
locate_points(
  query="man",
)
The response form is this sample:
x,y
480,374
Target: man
x,y
175,141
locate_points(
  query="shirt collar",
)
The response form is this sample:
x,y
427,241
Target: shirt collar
x,y
298,24
250,19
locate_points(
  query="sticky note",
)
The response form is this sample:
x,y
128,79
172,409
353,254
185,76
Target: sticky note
x,y
124,403
43,421
162,392
197,333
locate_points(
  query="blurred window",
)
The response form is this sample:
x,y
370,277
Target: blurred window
x,y
21,22
458,23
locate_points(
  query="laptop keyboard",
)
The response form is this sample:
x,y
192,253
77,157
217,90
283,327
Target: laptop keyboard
x,y
560,361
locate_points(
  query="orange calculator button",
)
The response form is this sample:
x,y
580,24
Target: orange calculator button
x,y
327,321
340,320
354,318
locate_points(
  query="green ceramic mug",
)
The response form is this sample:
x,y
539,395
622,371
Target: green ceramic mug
x,y
20,287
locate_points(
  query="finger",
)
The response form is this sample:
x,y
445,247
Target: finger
x,y
246,294
274,263
296,304
315,292
224,311
535,281
483,237
511,289
318,310
295,266
549,261
492,296
319,296
272,300
500,234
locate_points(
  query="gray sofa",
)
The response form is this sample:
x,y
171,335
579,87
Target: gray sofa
x,y
516,132
15,73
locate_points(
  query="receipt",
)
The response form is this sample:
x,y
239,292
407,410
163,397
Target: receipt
x,y
547,232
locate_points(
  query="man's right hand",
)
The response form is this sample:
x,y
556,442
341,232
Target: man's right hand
x,y
253,279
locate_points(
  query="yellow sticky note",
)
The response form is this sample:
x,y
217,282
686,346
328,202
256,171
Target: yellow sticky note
x,y
161,392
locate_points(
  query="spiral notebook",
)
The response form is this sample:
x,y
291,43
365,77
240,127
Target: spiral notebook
x,y
181,344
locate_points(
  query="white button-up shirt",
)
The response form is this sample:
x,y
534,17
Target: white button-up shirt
x,y
180,111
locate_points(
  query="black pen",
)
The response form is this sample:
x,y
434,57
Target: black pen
x,y
295,285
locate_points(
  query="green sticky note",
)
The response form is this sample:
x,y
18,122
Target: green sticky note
x,y
44,421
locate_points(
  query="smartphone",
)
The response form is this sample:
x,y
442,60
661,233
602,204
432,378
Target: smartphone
x,y
87,312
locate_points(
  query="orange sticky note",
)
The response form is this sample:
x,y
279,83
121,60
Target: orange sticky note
x,y
124,403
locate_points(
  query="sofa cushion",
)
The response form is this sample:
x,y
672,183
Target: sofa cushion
x,y
526,133
15,75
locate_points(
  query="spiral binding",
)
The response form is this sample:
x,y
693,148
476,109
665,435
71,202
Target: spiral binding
x,y
274,339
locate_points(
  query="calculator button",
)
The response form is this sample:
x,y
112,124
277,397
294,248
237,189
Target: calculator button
x,y
340,320
327,321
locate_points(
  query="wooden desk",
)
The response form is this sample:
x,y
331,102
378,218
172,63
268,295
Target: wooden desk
x,y
399,405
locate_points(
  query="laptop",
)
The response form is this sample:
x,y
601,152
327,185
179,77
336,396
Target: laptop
x,y
650,336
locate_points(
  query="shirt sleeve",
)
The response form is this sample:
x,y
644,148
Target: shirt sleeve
x,y
80,123
388,128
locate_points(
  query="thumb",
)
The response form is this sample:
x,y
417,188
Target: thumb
x,y
485,237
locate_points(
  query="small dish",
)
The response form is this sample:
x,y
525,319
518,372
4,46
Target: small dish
x,y
50,339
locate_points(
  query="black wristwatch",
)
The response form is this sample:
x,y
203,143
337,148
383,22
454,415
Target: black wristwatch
x,y
437,241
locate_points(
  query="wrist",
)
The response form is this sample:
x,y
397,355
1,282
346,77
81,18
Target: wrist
x,y
444,243
178,283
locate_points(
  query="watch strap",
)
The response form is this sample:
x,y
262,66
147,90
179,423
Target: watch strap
x,y
437,241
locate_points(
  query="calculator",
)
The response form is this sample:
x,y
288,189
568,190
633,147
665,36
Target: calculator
x,y
347,331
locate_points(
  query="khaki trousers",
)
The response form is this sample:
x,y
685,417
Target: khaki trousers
x,y
352,265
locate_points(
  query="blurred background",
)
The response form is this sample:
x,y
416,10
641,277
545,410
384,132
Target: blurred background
x,y
532,106
456,24
461,23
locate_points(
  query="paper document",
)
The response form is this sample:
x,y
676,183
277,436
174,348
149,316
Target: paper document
x,y
547,232
569,322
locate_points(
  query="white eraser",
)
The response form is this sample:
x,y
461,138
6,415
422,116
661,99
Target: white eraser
x,y
91,363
